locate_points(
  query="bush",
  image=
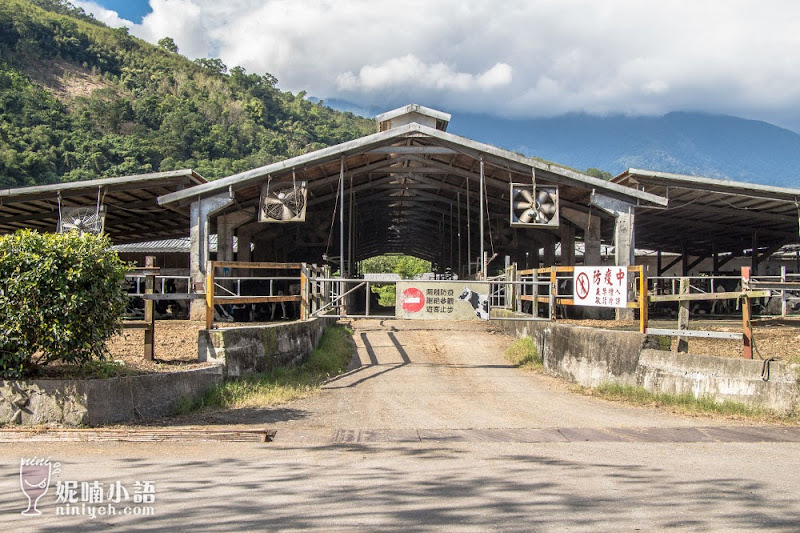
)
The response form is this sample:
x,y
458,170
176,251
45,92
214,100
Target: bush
x,y
61,298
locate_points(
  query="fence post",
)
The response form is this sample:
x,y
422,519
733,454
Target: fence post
x,y
683,316
303,292
553,292
784,294
209,294
747,327
643,299
149,309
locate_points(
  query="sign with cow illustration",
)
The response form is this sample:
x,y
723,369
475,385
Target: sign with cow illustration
x,y
442,300
600,286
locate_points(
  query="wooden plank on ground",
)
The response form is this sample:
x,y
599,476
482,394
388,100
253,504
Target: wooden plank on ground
x,y
135,435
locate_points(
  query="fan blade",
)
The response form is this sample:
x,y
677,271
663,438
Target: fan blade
x,y
526,195
287,213
543,197
548,209
527,216
519,206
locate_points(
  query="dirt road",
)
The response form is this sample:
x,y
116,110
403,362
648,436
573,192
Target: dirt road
x,y
411,375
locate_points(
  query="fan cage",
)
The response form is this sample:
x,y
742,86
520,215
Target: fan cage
x,y
281,203
82,219
525,212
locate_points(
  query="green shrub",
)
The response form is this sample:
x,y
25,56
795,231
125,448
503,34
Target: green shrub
x,y
61,298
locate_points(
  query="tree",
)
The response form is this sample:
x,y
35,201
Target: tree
x,y
212,64
597,173
168,44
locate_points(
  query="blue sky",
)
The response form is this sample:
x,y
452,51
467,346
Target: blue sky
x,y
515,58
133,10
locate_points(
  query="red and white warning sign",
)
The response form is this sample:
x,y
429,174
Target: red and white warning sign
x,y
600,286
412,300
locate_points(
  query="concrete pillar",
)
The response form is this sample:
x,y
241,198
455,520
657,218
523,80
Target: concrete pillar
x,y
243,253
224,239
624,242
199,213
549,254
624,252
567,237
591,242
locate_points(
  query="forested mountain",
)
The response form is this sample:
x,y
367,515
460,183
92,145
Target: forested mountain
x,y
79,100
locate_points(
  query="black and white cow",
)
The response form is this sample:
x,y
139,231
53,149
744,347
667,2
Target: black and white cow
x,y
479,302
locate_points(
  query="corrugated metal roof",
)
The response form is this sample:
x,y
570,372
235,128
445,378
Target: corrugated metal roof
x,y
182,245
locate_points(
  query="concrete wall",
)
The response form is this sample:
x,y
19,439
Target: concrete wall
x,y
94,402
256,349
591,356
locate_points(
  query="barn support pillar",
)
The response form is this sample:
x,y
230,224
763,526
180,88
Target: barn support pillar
x,y
243,252
549,254
226,225
591,233
567,236
624,249
591,243
199,214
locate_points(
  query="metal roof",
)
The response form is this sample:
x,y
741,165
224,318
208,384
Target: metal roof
x,y
705,213
409,187
132,212
413,108
417,134
181,245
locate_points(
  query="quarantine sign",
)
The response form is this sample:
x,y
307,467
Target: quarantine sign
x,y
441,300
600,286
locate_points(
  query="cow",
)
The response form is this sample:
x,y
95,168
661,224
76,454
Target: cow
x,y
479,302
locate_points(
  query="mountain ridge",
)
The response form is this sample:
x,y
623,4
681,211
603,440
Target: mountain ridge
x,y
681,142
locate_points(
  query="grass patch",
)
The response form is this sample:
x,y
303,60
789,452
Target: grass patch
x,y
524,354
686,403
281,384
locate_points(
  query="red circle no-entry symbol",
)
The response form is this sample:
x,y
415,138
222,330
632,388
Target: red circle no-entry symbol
x,y
413,300
582,287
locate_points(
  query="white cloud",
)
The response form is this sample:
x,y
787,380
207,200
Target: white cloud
x,y
518,57
408,71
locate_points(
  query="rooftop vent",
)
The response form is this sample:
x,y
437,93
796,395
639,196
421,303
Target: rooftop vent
x,y
413,113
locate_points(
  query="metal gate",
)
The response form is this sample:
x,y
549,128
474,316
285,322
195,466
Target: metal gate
x,y
499,298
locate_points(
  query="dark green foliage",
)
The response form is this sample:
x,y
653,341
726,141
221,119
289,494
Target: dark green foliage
x,y
597,173
125,106
168,44
61,298
407,266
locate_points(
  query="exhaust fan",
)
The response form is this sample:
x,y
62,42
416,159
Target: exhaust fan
x,y
82,219
534,206
283,204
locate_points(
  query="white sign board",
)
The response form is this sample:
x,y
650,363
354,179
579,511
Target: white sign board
x,y
600,286
442,300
